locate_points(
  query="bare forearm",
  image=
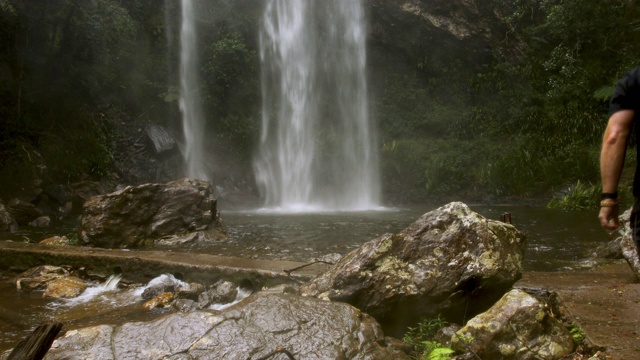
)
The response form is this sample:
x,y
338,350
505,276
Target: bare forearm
x,y
611,164
614,145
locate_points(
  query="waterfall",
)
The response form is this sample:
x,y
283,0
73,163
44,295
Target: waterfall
x,y
190,104
317,149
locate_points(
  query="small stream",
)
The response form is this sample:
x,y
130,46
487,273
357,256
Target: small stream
x,y
557,241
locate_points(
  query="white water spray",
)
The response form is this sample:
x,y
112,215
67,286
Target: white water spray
x,y
190,102
242,294
317,149
92,292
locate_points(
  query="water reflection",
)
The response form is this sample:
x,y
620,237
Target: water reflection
x,y
557,240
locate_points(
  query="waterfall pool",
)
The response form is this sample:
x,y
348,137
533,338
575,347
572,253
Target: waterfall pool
x,y
557,241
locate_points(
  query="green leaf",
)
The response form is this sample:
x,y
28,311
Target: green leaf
x,y
604,93
441,354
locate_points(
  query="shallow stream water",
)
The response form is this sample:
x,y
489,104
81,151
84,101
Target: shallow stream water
x,y
557,241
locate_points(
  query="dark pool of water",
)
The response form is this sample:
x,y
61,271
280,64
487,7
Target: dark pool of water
x,y
557,240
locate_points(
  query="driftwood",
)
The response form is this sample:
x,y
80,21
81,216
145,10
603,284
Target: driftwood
x,y
36,345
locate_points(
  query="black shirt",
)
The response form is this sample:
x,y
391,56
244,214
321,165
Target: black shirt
x,y
627,97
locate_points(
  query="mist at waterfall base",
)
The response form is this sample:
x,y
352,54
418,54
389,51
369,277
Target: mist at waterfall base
x,y
317,149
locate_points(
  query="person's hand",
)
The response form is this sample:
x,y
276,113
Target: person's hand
x,y
609,217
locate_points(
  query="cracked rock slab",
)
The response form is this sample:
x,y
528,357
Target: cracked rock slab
x,y
307,327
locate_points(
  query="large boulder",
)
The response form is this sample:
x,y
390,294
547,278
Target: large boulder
x,y
451,261
39,277
307,328
22,211
7,222
141,215
516,327
82,191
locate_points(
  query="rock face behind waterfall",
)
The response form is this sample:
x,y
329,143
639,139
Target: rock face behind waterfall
x,y
308,328
451,261
141,215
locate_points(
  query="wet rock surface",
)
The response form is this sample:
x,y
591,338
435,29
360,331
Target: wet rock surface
x,y
41,222
83,191
306,327
56,240
65,287
23,212
222,292
39,277
161,300
7,222
140,215
627,246
451,261
160,140
517,327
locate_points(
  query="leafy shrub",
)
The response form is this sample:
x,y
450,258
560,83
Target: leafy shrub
x,y
580,196
577,332
422,338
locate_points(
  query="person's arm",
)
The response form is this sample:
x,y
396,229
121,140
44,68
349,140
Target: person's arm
x,y
614,146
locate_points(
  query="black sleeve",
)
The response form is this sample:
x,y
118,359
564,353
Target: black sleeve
x,y
627,93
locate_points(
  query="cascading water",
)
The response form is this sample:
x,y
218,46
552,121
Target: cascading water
x,y
317,149
192,115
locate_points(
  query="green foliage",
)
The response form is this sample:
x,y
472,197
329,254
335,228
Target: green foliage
x,y
604,93
68,61
580,196
446,167
7,11
539,106
441,353
231,87
73,237
230,59
528,121
524,118
421,337
577,332
90,138
172,94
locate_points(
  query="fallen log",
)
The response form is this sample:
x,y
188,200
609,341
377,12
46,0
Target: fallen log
x,y
36,345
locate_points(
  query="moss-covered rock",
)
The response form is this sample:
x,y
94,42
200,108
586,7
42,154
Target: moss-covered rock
x,y
516,327
451,261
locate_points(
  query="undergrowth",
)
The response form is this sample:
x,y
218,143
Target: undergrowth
x,y
422,337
